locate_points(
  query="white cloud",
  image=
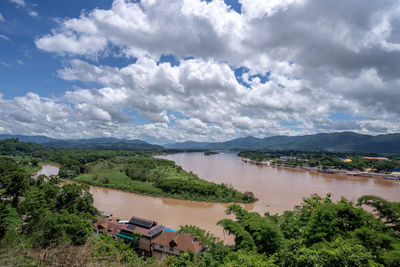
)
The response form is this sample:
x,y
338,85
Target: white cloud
x,y
4,37
1,18
18,2
33,13
322,57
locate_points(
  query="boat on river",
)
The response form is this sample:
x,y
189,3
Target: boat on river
x,y
392,178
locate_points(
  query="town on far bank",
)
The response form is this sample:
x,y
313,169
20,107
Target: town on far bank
x,y
369,165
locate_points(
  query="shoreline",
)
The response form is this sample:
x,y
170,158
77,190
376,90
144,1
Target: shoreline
x,y
317,170
160,195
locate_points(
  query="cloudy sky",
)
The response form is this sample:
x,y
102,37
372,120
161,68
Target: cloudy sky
x,y
179,70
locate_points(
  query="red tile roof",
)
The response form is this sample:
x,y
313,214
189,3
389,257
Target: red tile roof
x,y
183,242
377,158
108,226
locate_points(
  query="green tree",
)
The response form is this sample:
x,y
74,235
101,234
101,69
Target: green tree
x,y
17,184
389,212
252,231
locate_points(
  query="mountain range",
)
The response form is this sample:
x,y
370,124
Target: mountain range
x,y
97,143
329,142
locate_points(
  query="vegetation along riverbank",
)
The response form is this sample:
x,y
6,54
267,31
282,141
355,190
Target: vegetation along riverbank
x,y
369,165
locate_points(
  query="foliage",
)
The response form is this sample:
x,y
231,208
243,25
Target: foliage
x,y
14,147
204,237
252,231
336,253
389,212
210,153
108,250
319,232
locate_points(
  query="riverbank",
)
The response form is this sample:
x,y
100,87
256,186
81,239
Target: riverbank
x,y
270,163
157,195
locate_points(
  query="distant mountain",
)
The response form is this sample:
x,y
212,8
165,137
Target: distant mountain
x,y
330,142
39,139
189,145
97,143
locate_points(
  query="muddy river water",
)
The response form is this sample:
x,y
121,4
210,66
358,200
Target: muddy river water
x,y
48,169
277,189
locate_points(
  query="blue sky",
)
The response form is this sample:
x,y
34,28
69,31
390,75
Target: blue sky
x,y
197,70
19,55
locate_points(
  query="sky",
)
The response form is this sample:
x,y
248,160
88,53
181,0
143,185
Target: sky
x,y
178,70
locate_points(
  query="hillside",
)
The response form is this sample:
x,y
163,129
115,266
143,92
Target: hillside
x,y
97,143
39,139
332,142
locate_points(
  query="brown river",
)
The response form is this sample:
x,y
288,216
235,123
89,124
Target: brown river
x,y
277,189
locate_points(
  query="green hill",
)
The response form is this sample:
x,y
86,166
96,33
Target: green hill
x,y
332,142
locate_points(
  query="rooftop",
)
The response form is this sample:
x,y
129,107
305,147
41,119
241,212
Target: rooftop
x,y
183,242
145,227
377,158
108,226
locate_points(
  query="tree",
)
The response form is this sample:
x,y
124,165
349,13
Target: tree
x,y
336,253
204,237
252,231
17,185
389,212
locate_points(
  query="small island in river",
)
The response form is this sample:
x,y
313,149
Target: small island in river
x,y
209,153
157,177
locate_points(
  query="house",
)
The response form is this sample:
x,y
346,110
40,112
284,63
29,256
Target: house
x,y
146,228
285,158
376,158
396,172
154,239
108,226
345,160
173,243
367,170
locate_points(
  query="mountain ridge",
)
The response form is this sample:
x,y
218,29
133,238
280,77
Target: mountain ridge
x,y
329,142
98,143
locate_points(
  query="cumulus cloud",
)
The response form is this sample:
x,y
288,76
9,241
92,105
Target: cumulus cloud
x,y
301,61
